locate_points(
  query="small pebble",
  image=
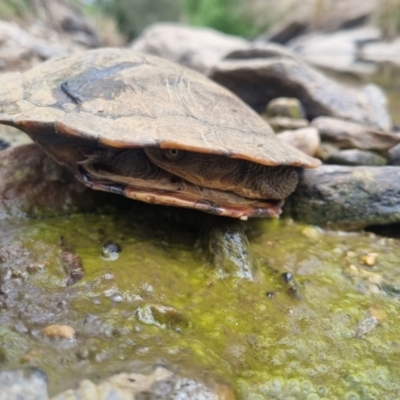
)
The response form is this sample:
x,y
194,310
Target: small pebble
x,y
110,250
369,259
59,331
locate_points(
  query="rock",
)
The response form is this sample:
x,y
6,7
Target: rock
x,y
307,139
160,384
356,157
32,184
59,331
394,155
13,137
281,124
285,107
326,16
162,316
347,197
326,150
197,48
258,81
381,51
224,244
349,135
337,51
20,50
23,384
70,18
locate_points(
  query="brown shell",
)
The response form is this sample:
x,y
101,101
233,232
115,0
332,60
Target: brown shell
x,y
127,99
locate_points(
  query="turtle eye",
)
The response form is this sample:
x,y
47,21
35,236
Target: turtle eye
x,y
173,154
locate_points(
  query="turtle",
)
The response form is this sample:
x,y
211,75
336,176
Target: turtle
x,y
151,130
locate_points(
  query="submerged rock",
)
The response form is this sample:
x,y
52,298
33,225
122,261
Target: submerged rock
x,y
225,246
160,384
350,135
197,48
23,384
347,197
258,81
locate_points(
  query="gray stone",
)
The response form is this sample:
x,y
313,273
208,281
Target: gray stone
x,y
160,384
23,384
197,48
33,185
337,51
347,197
280,124
258,81
381,51
307,139
394,155
285,107
356,157
350,135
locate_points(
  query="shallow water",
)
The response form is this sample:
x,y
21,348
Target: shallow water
x,y
159,303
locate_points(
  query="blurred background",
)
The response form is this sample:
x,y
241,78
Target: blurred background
x,y
357,39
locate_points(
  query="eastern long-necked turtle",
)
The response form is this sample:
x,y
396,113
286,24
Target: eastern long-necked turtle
x,y
154,131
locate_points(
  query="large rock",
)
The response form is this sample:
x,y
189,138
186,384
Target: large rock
x,y
257,81
347,197
32,184
381,52
20,50
324,16
356,157
337,51
352,135
197,48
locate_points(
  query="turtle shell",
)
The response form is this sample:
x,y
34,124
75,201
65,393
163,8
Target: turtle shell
x,y
123,99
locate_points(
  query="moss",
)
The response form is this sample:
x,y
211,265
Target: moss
x,y
257,335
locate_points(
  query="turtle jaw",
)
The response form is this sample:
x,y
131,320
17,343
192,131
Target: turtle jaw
x,y
242,208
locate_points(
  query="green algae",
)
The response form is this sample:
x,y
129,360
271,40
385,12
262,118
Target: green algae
x,y
157,303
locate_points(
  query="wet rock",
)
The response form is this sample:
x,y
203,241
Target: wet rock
x,y
356,157
32,184
258,81
73,266
59,331
160,384
197,48
110,250
394,155
381,51
280,124
347,197
285,107
307,139
23,384
337,51
225,246
162,316
349,135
